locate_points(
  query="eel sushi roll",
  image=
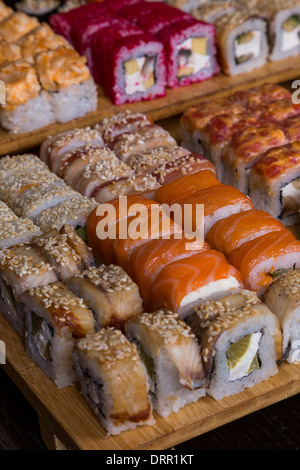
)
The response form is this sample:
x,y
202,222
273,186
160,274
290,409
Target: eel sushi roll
x,y
274,183
242,42
172,357
16,231
64,75
241,342
191,51
110,293
263,259
244,149
11,165
213,10
113,381
230,233
183,284
27,105
55,319
64,142
282,298
146,162
21,268
14,26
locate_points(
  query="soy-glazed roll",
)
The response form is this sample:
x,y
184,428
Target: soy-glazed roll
x,y
241,342
172,358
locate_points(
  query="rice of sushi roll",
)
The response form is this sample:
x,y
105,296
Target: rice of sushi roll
x,y
27,105
282,298
21,268
110,293
172,357
64,75
113,381
241,342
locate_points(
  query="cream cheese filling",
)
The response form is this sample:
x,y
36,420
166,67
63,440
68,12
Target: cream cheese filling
x,y
290,39
249,48
139,74
192,56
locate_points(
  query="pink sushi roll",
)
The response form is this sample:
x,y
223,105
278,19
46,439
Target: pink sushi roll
x,y
191,51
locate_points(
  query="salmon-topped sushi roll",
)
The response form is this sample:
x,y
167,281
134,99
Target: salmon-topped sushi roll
x,y
183,284
263,259
230,233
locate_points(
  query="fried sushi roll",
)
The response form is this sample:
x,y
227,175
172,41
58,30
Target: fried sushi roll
x,y
13,27
113,381
55,319
21,268
172,357
241,342
182,284
5,11
110,293
274,183
282,298
9,51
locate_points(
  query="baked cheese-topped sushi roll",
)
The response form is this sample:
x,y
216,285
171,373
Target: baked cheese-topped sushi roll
x,y
263,259
182,284
73,212
195,119
244,149
291,127
242,41
185,186
230,233
113,381
282,298
55,318
188,164
64,142
9,51
145,162
241,342
274,183
278,110
64,75
5,11
144,184
146,139
27,106
16,25
149,259
265,93
219,201
40,39
21,268
15,231
110,293
172,357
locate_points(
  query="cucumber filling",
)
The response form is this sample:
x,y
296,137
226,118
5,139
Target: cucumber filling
x,y
81,232
242,356
291,33
139,74
192,56
149,365
247,46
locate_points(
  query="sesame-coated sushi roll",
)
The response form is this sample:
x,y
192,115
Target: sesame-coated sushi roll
x,y
13,27
11,165
241,342
213,10
136,184
282,298
16,231
145,162
113,381
172,357
21,268
110,293
182,284
55,319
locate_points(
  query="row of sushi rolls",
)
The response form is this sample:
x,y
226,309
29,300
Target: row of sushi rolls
x,y
147,325
133,49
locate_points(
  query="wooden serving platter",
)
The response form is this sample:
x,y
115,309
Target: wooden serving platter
x,y
175,102
67,422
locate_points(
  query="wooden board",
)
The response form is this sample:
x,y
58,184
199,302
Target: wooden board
x,y
67,422
175,102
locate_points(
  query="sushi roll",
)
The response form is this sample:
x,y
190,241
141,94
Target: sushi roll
x,y
244,149
73,212
188,5
183,284
79,246
64,142
274,181
146,162
213,10
172,357
64,75
55,319
113,381
263,94
5,11
263,259
27,105
242,42
241,342
188,164
10,165
122,123
21,268
291,127
9,51
16,231
282,298
110,293
14,26
37,7
191,51
230,233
